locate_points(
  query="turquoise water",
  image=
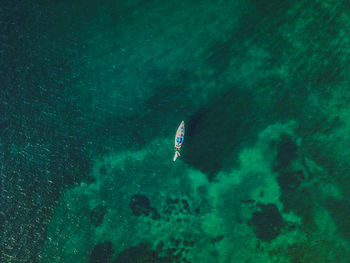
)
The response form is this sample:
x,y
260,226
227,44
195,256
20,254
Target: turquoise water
x,y
92,93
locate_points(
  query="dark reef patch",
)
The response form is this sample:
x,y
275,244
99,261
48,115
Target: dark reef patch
x,y
102,253
217,239
301,202
294,195
340,211
141,205
289,181
97,214
286,152
176,207
143,253
89,179
322,251
220,129
267,223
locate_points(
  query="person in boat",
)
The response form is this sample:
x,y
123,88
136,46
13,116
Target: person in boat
x,y
180,139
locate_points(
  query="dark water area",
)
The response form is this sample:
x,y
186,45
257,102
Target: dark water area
x,y
41,152
91,93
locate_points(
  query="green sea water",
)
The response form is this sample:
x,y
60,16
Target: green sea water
x,y
93,92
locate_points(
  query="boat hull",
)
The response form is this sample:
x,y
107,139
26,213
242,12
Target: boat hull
x,y
180,134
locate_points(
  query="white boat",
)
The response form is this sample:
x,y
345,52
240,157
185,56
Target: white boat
x,y
179,138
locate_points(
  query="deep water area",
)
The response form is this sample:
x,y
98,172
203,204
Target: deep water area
x,y
91,95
